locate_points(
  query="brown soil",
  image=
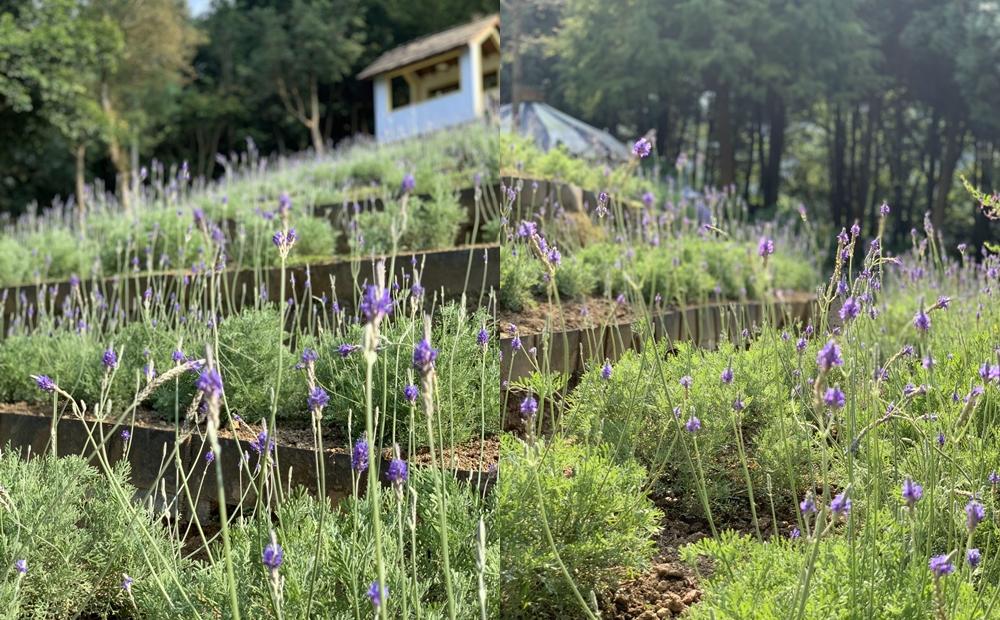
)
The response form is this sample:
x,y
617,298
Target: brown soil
x,y
669,586
595,312
463,456
568,315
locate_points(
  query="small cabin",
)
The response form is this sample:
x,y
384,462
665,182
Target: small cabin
x,y
440,80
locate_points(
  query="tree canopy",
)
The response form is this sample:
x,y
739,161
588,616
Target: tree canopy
x,y
91,88
841,105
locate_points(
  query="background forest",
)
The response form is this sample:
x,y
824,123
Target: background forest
x,y
838,105
97,88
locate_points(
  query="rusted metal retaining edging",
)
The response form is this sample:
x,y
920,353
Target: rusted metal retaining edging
x,y
470,270
149,448
570,351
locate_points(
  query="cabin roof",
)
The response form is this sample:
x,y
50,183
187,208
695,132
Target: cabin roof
x,y
430,45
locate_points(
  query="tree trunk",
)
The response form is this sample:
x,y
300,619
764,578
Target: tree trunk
x,y
896,164
775,147
954,139
81,161
933,156
314,120
118,156
837,167
726,137
864,179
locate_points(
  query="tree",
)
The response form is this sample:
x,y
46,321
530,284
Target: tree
x,y
134,86
49,63
299,47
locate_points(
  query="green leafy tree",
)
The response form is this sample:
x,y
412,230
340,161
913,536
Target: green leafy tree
x,y
300,46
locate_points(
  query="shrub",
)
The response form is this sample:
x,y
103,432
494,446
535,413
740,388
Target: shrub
x,y
14,259
574,279
347,549
520,273
430,224
763,580
599,516
632,413
77,536
467,385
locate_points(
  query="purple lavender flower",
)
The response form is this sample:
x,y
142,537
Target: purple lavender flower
x,y
829,356
209,457
408,184
262,444
424,356
800,345
45,384
940,439
974,514
834,398
21,566
850,309
941,566
410,393
855,229
397,472
527,229
922,321
994,478
309,356
884,209
529,407
738,405
840,505
110,359
359,459
376,303
972,556
642,148
727,375
765,248
377,595
795,533
126,434
345,349
928,362
178,357
127,582
318,398
686,382
210,382
693,425
943,302
273,556
808,504
606,370
482,338
912,492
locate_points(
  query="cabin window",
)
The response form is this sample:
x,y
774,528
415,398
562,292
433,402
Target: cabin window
x,y
401,95
491,80
440,78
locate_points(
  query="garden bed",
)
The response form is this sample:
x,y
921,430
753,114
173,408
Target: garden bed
x,y
471,270
605,329
28,429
